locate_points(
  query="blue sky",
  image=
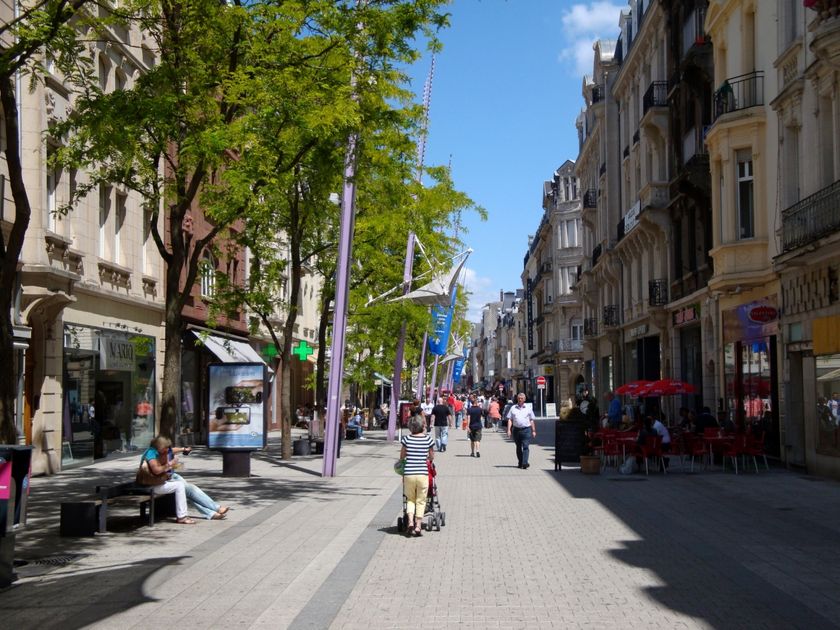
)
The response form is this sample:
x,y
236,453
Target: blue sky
x,y
506,93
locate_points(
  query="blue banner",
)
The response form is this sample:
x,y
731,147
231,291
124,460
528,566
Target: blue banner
x,y
442,322
457,369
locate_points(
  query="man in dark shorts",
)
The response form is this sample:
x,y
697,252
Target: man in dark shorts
x,y
474,413
442,420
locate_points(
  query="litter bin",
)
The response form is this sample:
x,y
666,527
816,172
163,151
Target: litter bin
x,y
569,440
14,492
301,447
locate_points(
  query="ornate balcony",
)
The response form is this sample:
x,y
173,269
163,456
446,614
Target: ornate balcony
x,y
741,92
655,96
812,218
597,94
590,198
590,327
693,34
627,151
603,168
658,293
610,317
636,137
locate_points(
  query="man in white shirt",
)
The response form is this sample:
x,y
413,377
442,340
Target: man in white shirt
x,y
521,426
427,407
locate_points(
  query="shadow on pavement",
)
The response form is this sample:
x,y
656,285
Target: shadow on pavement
x,y
724,549
110,590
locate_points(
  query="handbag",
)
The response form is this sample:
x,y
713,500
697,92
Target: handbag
x,y
145,476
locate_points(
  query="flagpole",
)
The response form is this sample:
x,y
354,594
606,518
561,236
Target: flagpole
x,y
398,359
421,377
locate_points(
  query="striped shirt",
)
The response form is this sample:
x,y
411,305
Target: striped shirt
x,y
416,453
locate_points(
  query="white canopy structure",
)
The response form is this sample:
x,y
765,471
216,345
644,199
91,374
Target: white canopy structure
x,y
438,292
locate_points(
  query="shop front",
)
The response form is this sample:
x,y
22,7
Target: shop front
x,y
108,393
689,355
750,368
826,345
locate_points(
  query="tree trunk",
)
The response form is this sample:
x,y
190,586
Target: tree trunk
x,y
173,331
9,256
327,295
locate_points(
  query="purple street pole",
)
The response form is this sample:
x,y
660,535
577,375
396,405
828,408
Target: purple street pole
x,y
421,377
339,328
398,359
433,384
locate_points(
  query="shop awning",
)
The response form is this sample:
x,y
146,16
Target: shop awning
x,y
229,350
382,378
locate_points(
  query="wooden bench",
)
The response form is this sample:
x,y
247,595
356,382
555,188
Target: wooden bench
x,y
84,518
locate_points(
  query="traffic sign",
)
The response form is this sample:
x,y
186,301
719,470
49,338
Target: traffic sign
x,y
541,382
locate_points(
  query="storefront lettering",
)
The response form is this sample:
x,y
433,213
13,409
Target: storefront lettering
x,y
686,315
639,331
763,314
118,355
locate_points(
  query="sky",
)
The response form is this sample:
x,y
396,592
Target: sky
x,y
505,96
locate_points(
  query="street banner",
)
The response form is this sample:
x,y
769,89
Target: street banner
x,y
442,322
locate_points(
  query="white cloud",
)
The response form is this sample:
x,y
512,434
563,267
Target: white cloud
x,y
582,25
481,291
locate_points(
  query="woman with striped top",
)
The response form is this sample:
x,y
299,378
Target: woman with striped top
x,y
417,450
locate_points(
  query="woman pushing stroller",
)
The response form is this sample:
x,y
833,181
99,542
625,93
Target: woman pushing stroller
x,y
417,450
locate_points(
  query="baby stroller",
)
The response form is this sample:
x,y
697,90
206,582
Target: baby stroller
x,y
433,518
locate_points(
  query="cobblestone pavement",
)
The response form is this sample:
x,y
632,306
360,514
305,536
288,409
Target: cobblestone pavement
x,y
521,549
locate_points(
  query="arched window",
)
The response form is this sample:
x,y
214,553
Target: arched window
x,y
208,275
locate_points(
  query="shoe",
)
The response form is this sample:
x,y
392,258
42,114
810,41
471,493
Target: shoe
x,y
526,466
519,465
478,454
185,521
218,516
417,532
223,510
472,454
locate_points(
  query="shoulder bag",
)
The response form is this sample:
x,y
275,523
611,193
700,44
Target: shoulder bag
x,y
145,476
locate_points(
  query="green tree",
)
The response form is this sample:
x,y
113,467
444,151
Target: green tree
x,y
39,30
355,88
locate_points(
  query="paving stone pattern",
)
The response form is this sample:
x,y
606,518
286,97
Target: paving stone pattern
x,y
530,548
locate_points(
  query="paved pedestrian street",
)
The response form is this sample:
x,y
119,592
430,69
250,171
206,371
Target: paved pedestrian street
x,y
521,549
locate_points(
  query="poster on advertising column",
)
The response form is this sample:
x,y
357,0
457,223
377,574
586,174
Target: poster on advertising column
x,y
236,405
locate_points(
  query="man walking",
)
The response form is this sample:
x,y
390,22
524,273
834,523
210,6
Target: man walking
x,y
474,413
442,419
520,424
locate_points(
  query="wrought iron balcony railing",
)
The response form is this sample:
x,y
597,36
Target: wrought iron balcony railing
x,y
741,92
636,137
567,345
656,96
627,151
610,316
597,94
603,168
590,198
590,327
658,292
812,218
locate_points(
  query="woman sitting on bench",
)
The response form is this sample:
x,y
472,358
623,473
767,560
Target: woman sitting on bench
x,y
161,450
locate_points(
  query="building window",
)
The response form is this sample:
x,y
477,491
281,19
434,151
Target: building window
x,y
53,179
119,222
208,275
576,329
746,211
104,210
828,404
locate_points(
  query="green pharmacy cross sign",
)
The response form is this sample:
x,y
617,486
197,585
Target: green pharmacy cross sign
x,y
303,350
270,351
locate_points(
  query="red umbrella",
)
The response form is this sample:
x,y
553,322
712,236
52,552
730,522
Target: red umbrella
x,y
668,387
632,388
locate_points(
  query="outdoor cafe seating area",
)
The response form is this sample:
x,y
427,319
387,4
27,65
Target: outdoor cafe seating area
x,y
714,449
